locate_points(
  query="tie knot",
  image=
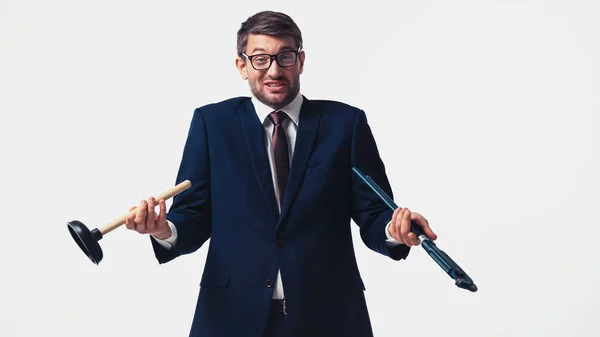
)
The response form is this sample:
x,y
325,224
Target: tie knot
x,y
277,117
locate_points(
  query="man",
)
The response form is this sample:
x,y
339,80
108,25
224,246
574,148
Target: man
x,y
273,189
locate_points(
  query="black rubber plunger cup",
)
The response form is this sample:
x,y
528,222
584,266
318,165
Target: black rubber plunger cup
x,y
88,240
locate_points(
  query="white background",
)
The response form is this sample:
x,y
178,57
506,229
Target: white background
x,y
486,114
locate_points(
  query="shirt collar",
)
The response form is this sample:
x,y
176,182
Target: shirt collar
x,y
292,109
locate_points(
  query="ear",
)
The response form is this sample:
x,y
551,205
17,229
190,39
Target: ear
x,y
240,64
302,56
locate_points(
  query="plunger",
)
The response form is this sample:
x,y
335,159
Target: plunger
x,y
88,240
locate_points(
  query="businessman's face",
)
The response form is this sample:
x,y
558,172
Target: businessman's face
x,y
274,82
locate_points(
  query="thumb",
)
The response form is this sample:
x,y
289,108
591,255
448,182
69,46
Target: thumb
x,y
424,224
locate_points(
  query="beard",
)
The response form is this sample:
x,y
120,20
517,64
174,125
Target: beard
x,y
275,102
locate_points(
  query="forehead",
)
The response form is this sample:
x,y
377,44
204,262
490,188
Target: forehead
x,y
269,44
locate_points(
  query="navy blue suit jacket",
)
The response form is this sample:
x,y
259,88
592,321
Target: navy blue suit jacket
x,y
232,201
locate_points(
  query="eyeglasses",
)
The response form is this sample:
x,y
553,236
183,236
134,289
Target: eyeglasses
x,y
263,61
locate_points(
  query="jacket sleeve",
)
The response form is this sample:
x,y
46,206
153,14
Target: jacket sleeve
x,y
190,211
368,211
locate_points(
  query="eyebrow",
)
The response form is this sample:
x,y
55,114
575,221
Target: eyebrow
x,y
284,48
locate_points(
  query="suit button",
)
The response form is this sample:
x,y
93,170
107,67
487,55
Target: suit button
x,y
269,283
280,243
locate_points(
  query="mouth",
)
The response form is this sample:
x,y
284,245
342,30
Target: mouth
x,y
274,86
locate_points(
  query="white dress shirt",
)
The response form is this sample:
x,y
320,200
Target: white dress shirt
x,y
291,126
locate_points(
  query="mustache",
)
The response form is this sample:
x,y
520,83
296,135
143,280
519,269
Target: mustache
x,y
279,78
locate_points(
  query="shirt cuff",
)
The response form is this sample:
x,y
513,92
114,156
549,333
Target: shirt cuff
x,y
390,241
169,242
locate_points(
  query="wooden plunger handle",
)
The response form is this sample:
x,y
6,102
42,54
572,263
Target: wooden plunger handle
x,y
184,185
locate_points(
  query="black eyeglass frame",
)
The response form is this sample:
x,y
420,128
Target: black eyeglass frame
x,y
274,56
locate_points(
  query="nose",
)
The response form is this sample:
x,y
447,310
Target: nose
x,y
274,70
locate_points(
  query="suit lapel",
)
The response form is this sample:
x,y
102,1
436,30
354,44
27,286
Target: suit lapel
x,y
305,137
254,134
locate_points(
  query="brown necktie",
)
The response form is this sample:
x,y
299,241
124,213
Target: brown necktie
x,y
281,158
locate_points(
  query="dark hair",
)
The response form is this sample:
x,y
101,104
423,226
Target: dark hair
x,y
268,23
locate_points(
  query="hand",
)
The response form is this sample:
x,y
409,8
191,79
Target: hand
x,y
399,227
145,220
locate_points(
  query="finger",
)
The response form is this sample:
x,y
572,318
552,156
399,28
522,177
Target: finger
x,y
392,227
129,220
151,215
405,228
140,217
398,225
412,237
162,216
424,224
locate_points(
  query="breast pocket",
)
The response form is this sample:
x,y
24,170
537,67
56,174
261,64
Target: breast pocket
x,y
315,167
